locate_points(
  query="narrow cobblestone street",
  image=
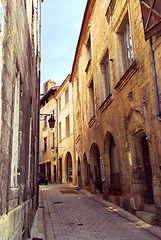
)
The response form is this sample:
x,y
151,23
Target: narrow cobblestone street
x,y
70,213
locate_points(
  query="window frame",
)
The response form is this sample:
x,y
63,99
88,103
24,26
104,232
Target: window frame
x,y
106,75
67,124
53,140
45,144
66,95
127,52
45,121
60,131
91,98
59,104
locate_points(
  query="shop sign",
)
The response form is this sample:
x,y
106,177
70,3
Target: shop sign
x,y
151,14
102,169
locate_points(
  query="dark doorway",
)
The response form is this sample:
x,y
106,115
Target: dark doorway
x,y
49,171
86,169
95,162
69,167
60,169
42,168
148,171
55,173
79,174
114,166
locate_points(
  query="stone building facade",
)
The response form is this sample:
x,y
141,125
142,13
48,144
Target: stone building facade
x,y
65,131
19,115
117,130
48,136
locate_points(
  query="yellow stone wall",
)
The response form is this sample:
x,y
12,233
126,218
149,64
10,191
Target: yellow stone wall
x,y
66,144
129,113
49,155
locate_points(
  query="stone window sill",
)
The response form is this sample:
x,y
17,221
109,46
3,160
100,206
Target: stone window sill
x,y
92,121
88,64
78,138
127,76
106,103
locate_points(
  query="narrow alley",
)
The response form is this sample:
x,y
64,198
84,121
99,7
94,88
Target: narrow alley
x,y
69,213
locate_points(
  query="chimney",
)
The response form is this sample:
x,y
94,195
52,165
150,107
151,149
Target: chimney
x,y
49,84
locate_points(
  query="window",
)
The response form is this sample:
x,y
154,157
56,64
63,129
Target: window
x,y
45,121
15,136
45,144
106,78
59,104
30,154
77,86
60,132
66,96
126,47
67,121
53,140
89,55
91,99
89,48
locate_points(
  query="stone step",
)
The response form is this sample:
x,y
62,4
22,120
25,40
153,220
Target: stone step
x,y
149,208
147,217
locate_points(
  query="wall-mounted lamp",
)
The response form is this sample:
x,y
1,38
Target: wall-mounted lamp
x,y
51,120
55,148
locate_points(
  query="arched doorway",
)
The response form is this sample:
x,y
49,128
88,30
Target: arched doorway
x,y
60,170
149,198
49,171
69,173
86,169
114,166
95,166
79,174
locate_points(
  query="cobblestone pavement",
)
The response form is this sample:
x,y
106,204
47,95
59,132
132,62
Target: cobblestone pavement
x,y
83,216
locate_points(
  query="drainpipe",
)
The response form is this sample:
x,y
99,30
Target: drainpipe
x,y
155,81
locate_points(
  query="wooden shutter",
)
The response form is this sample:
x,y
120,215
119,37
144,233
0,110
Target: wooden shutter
x,y
151,14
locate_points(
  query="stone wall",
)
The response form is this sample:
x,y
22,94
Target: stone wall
x,y
19,119
128,113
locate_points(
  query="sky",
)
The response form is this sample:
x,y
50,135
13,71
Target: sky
x,y
61,22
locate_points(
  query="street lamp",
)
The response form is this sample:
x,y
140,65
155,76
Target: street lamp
x,y
53,149
51,120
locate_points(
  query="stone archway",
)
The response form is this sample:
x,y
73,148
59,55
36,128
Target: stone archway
x,y
148,171
79,174
85,169
95,166
69,169
142,171
139,142
111,163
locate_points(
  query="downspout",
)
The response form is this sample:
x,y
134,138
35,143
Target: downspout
x,y
155,81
